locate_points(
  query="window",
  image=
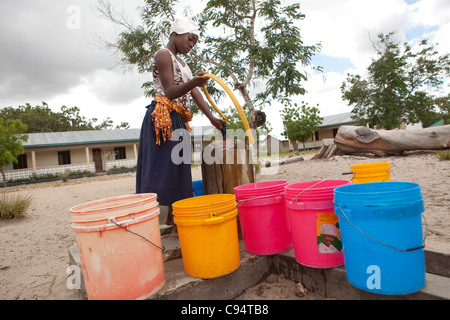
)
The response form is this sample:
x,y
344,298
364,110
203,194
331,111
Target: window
x,y
63,157
120,153
197,146
316,134
335,132
21,162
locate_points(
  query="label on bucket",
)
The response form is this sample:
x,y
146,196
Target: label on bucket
x,y
328,233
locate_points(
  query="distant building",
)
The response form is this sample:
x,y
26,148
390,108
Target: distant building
x,y
86,151
327,130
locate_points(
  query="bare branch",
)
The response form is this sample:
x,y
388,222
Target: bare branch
x,y
108,12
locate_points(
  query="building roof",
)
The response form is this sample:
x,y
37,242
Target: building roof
x,y
279,137
337,119
439,123
47,139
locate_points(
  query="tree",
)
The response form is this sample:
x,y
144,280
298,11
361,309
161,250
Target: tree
x,y
246,41
43,119
403,85
234,122
300,123
11,137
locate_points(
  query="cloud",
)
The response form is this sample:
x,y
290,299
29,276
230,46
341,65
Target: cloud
x,y
345,26
48,47
48,51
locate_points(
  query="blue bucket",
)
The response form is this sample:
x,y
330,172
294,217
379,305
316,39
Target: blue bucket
x,y
197,186
381,230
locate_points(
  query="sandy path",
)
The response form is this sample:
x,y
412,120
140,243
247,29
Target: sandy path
x,y
34,248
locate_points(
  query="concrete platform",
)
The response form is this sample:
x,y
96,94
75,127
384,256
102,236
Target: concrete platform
x,y
329,283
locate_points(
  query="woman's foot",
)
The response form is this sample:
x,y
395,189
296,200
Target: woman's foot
x,y
174,231
169,217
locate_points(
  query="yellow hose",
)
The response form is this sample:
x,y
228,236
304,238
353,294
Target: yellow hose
x,y
236,104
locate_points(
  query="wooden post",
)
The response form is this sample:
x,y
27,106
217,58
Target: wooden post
x,y
225,165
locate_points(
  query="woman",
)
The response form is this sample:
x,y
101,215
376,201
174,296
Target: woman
x,y
161,145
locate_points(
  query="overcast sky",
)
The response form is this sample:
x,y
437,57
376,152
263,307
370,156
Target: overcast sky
x,y
48,52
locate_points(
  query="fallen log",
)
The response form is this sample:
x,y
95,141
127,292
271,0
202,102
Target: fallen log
x,y
328,150
355,139
283,161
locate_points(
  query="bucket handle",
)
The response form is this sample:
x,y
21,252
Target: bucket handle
x,y
241,200
387,245
315,184
113,220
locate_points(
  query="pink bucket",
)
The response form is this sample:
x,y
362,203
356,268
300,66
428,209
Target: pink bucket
x,y
315,228
263,217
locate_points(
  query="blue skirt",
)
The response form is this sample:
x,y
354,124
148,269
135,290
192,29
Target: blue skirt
x,y
165,169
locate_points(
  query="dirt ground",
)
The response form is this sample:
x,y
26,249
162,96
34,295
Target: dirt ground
x,y
34,248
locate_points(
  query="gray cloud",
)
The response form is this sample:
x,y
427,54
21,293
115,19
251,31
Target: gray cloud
x,y
44,52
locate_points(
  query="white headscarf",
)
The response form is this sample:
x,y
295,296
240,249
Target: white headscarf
x,y
329,229
185,25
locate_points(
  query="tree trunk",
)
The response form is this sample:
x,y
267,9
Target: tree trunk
x,y
4,177
354,139
225,165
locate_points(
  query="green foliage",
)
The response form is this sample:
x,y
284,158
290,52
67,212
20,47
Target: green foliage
x,y
11,137
300,123
443,155
403,86
14,206
234,122
43,119
247,42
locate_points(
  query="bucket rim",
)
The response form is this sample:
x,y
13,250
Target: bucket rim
x,y
122,217
184,203
208,211
203,221
111,226
294,186
377,185
142,198
261,186
372,165
367,193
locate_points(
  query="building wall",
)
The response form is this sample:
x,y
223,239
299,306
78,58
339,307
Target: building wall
x,y
76,156
272,143
44,159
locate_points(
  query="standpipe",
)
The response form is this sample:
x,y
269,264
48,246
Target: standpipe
x,y
236,105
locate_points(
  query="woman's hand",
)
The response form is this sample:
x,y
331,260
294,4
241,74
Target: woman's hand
x,y
199,80
216,122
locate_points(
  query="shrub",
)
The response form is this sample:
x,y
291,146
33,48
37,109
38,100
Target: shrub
x,y
444,154
12,206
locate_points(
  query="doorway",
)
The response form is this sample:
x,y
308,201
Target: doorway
x,y
97,155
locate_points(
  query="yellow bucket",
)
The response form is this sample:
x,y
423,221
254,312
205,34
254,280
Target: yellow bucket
x,y
371,172
208,234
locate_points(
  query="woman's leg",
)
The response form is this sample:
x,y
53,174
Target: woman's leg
x,y
169,221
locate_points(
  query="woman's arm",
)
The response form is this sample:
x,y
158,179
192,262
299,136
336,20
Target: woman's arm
x,y
201,103
164,64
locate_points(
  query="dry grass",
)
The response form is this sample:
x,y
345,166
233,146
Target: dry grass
x,y
443,154
14,206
